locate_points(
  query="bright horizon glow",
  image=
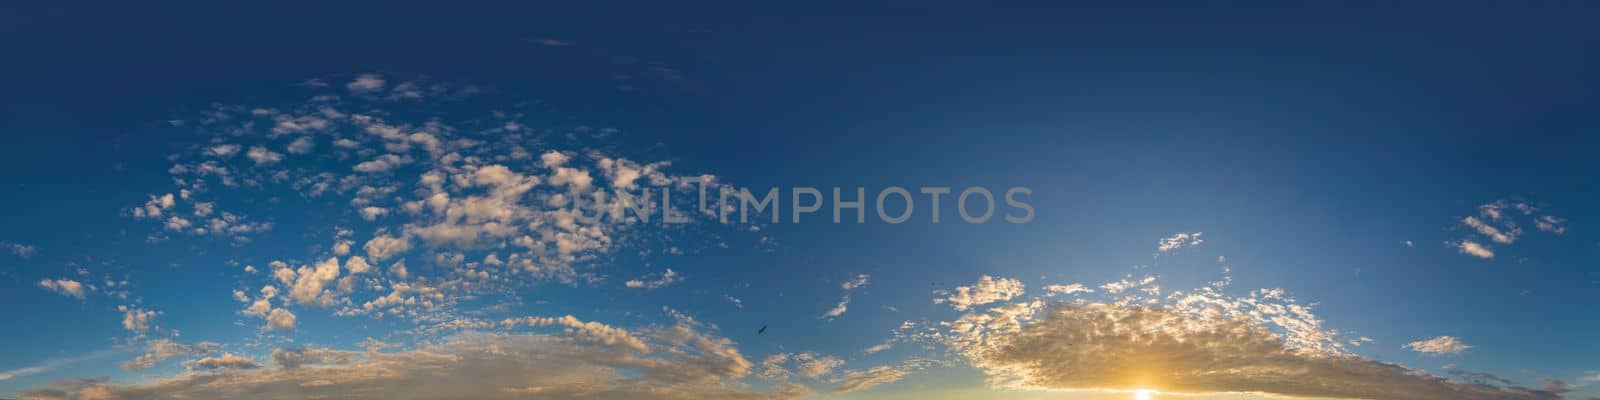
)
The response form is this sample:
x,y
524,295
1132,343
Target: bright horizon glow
x,y
1144,394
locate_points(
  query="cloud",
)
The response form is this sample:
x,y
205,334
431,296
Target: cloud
x,y
65,287
138,320
860,281
681,360
550,42
19,250
1197,342
1495,234
1498,222
986,290
862,380
1069,289
657,281
163,349
1551,224
366,83
52,364
225,361
1179,241
262,156
1443,345
280,319
1474,249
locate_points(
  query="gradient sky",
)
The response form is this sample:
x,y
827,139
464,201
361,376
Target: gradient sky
x,y
1356,201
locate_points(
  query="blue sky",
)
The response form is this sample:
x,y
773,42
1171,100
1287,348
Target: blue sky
x,y
1358,202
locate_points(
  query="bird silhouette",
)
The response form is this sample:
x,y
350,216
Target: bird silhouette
x,y
762,330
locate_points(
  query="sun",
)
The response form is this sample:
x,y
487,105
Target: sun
x,y
1144,394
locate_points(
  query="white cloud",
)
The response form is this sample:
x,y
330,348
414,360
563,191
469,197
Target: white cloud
x,y
656,281
262,156
138,320
1069,289
223,150
66,287
373,213
860,281
986,290
1178,241
383,247
1443,345
311,285
1474,249
280,319
1551,224
1495,234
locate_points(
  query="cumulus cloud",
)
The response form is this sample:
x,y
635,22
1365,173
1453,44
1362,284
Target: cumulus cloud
x,y
262,156
1442,345
655,281
280,319
65,287
1197,342
1474,249
986,290
1179,241
138,320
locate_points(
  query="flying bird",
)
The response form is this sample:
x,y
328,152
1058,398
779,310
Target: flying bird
x,y
762,330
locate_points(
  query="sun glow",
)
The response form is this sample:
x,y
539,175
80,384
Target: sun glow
x,y
1144,394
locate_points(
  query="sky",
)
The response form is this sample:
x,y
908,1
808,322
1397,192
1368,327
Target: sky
x,y
1241,200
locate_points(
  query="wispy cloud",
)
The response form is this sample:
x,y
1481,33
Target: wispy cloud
x,y
860,281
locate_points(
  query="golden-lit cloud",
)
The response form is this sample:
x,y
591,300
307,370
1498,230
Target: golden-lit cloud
x,y
1200,342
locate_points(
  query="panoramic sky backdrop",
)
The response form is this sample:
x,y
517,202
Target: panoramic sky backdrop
x,y
1227,200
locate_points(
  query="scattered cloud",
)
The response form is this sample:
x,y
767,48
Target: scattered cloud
x,y
860,281
66,287
1179,241
1203,341
365,83
1443,345
986,290
1498,222
1474,249
1068,289
19,250
657,281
